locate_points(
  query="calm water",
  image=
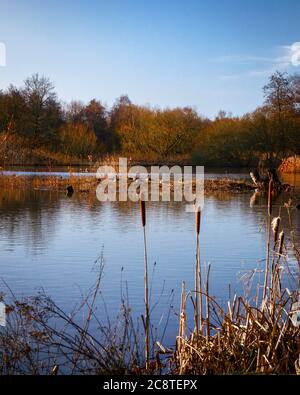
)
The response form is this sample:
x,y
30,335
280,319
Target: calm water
x,y
48,240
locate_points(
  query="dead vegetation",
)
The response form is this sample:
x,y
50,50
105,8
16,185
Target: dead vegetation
x,y
258,335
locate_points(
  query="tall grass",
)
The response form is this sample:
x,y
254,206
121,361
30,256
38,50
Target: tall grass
x,y
246,337
41,338
270,205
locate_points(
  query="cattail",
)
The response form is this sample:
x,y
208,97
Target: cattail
x,y
143,210
270,197
268,238
147,318
275,227
198,277
198,220
281,240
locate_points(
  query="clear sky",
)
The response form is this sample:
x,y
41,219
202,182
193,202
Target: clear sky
x,y
207,54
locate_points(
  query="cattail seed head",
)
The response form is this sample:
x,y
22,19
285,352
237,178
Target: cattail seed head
x,y
281,240
275,227
270,197
143,210
198,220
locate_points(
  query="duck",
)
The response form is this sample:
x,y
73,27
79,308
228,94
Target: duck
x,y
70,190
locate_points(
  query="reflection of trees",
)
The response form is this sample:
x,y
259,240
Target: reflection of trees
x,y
28,215
32,215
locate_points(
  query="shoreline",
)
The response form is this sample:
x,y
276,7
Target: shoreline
x,y
88,184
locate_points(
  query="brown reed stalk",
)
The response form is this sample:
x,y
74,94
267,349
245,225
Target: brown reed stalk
x,y
276,283
270,190
182,320
198,278
281,240
280,250
143,218
143,211
183,328
198,220
275,228
207,305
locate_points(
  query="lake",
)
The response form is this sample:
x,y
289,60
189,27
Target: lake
x,y
50,241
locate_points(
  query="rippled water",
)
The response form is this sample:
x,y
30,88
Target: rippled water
x,y
48,240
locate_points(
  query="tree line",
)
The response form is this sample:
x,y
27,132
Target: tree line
x,y
32,116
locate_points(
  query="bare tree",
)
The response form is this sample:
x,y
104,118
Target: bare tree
x,y
42,105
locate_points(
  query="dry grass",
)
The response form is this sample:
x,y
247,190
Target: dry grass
x,y
252,335
41,338
246,339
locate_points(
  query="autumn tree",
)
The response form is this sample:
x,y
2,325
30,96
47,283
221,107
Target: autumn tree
x,y
225,142
13,111
43,111
279,106
154,132
94,115
175,131
76,139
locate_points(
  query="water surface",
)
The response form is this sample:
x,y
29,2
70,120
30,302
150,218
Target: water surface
x,y
49,240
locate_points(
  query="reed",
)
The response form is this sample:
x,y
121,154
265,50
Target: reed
x,y
146,287
182,320
207,305
275,227
198,278
270,205
281,240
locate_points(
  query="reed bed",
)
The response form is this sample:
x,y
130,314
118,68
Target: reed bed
x,y
259,335
245,340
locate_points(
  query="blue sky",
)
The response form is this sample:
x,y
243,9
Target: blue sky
x,y
211,55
